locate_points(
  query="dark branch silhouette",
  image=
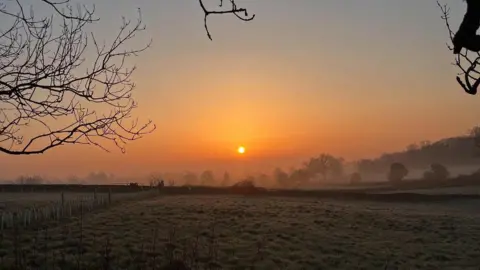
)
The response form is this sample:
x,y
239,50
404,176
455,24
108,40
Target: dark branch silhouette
x,y
466,36
50,95
466,60
240,13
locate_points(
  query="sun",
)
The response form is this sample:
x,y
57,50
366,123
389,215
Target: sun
x,y
241,150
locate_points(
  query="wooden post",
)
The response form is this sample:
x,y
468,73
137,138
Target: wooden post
x,y
95,196
109,196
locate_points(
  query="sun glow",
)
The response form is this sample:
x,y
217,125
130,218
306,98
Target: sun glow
x,y
241,150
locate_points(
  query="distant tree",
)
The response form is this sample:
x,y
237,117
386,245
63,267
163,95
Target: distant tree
x,y
440,171
437,172
412,147
325,164
157,180
397,172
30,180
133,184
99,178
74,180
154,179
299,177
226,179
425,144
318,165
21,180
336,168
281,177
190,178
474,133
367,166
207,178
355,178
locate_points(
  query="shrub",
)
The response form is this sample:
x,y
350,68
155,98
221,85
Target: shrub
x,y
437,172
244,184
397,172
440,171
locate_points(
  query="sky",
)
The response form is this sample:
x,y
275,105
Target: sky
x,y
351,78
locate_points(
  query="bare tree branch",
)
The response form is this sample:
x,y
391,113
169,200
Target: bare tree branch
x,y
240,13
465,60
50,94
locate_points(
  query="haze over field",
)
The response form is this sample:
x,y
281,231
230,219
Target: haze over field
x,y
320,134
351,78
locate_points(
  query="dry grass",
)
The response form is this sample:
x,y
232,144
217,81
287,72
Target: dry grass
x,y
235,232
15,201
18,200
466,190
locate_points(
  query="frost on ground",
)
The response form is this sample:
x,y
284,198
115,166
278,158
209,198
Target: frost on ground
x,y
236,232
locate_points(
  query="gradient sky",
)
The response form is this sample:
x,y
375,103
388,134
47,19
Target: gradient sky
x,y
352,78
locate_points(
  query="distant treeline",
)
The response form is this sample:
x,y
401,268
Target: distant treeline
x,y
324,168
458,151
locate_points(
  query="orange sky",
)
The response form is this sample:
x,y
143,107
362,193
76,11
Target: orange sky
x,y
297,81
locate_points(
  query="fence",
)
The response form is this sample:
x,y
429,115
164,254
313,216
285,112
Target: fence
x,y
64,209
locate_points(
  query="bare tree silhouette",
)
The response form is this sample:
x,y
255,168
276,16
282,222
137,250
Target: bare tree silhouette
x,y
467,38
50,94
325,164
240,13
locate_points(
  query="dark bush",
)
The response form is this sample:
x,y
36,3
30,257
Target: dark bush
x,y
397,172
437,172
440,171
246,186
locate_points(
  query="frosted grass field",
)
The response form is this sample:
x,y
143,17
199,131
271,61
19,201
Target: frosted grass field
x,y
17,200
237,232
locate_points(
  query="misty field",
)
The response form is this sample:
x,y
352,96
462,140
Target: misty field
x,y
237,232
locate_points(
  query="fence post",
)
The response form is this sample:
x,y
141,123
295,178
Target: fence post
x,y
109,196
95,196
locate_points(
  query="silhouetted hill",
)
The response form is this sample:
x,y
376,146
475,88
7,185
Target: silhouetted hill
x,y
451,152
